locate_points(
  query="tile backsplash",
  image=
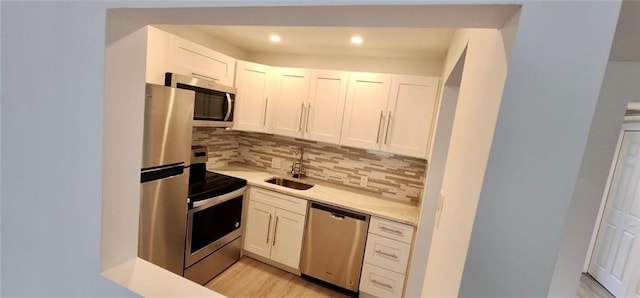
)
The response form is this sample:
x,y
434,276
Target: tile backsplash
x,y
391,176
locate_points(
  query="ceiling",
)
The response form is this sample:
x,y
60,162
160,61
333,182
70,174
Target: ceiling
x,y
407,43
399,43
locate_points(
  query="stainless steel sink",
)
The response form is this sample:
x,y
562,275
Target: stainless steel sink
x,y
289,183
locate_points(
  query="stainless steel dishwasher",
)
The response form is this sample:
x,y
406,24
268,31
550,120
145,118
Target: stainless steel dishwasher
x,y
334,245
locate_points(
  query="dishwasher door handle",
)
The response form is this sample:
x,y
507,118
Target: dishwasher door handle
x,y
337,216
340,213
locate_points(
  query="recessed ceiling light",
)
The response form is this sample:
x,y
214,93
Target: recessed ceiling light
x,y
356,40
274,38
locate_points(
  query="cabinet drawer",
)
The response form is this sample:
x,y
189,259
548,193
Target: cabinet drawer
x,y
381,282
391,229
278,200
387,253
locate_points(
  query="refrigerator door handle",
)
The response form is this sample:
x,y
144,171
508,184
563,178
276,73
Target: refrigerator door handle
x,y
162,172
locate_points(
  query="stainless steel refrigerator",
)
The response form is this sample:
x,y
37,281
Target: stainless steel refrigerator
x,y
166,151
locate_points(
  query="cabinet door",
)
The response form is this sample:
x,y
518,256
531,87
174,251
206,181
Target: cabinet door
x,y
289,104
287,238
252,82
157,52
258,235
190,58
364,110
410,115
325,108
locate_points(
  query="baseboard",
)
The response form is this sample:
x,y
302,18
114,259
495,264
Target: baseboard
x,y
271,262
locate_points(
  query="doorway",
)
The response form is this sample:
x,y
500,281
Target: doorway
x,y
615,259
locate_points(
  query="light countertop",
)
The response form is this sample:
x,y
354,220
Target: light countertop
x,y
149,280
330,193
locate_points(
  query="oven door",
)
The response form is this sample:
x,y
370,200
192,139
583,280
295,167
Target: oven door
x,y
212,223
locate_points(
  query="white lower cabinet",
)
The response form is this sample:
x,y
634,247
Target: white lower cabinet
x,y
287,238
275,226
387,253
257,236
386,257
380,282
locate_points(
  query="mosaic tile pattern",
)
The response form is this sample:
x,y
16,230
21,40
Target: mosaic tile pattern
x,y
391,176
222,145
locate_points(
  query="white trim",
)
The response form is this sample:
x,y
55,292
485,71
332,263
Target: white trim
x,y
594,236
630,119
633,106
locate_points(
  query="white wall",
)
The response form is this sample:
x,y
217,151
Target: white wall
x,y
620,86
538,146
432,67
125,72
52,149
479,98
437,157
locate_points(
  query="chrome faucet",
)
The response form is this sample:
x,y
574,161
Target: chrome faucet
x,y
297,169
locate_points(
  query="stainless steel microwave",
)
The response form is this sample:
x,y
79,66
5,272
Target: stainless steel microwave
x,y
214,103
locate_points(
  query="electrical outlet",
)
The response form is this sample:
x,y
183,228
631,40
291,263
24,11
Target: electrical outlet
x,y
276,163
364,180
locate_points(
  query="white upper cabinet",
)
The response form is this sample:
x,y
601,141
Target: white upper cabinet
x,y
157,53
252,99
410,113
391,113
289,102
189,58
325,106
364,113
308,104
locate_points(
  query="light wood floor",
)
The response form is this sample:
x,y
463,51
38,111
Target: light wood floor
x,y
589,287
251,278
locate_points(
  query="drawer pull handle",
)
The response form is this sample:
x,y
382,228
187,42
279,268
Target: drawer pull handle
x,y
386,254
398,232
308,112
379,126
269,229
388,286
264,120
275,230
301,113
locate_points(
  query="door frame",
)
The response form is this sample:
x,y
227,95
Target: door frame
x,y
631,123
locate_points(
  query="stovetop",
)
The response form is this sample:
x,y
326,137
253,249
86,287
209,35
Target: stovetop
x,y
205,184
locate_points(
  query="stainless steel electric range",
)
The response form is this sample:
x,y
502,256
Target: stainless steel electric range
x,y
214,219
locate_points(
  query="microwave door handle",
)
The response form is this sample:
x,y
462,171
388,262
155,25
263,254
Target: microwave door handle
x,y
229,107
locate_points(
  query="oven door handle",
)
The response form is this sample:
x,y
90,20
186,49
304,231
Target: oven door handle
x,y
204,204
229,107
